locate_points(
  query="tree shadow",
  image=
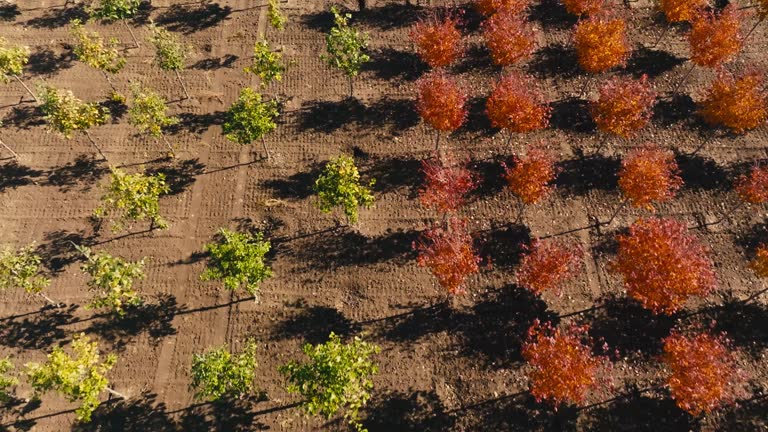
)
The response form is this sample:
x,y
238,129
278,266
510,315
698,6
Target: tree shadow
x,y
225,61
418,322
572,115
744,324
552,15
747,416
197,123
45,61
523,413
58,17
180,175
679,108
701,173
585,173
313,324
9,12
25,117
640,413
557,60
38,332
139,414
58,251
329,116
81,174
390,16
490,174
477,58
651,62
13,175
226,414
117,109
396,173
503,246
393,64
190,19
417,411
295,186
477,121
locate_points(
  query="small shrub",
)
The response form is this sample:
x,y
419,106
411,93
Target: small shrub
x,y
6,379
339,185
249,118
738,103
546,265
715,38
148,113
276,17
133,197
624,106
649,175
266,64
490,7
345,47
447,250
601,43
446,184
66,114
92,50
516,105
441,102
237,259
438,41
22,269
583,7
681,10
530,177
113,10
509,37
753,188
217,372
111,280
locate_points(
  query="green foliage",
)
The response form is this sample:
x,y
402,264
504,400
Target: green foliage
x,y
249,118
21,269
6,380
111,280
217,372
345,45
276,17
134,197
267,65
113,10
12,60
170,53
92,50
148,112
65,113
336,377
339,185
79,377
238,259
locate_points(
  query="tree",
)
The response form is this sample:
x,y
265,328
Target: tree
x,y
752,188
217,372
509,37
759,265
601,43
563,366
336,378
681,10
276,17
715,38
80,377
737,102
546,265
22,268
66,114
446,184
441,103
490,7
339,185
12,61
148,113
447,250
92,50
249,118
649,175
111,280
170,53
517,106
116,10
530,176
438,41
133,197
662,265
702,371
584,7
237,259
345,47
266,64
624,106
6,379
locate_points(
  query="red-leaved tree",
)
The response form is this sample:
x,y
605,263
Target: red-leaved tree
x,y
737,102
681,10
438,41
752,188
516,105
702,371
663,265
715,38
649,174
583,7
564,368
625,106
447,250
530,176
601,43
509,37
490,7
446,184
441,102
546,265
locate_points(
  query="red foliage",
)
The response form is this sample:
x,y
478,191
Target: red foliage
x,y
681,10
546,265
753,188
703,371
438,41
624,106
663,265
564,368
449,253
516,105
601,43
739,103
530,177
441,102
509,37
490,7
649,174
583,7
715,38
446,184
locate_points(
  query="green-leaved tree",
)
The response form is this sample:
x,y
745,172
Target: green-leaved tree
x,y
133,197
217,372
22,269
13,58
339,185
148,112
111,280
92,50
6,379
237,260
170,53
116,10
66,114
346,47
80,377
249,118
276,17
337,377
266,64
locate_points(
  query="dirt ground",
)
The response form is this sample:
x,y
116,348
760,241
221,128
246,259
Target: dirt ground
x,y
452,366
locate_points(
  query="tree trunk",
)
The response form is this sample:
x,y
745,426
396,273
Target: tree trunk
x,y
26,88
183,87
666,28
520,210
437,141
9,149
115,393
266,150
88,135
48,299
749,33
616,213
165,140
136,42
754,296
351,89
109,80
685,77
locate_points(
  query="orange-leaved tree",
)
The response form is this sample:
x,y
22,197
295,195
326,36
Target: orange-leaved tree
x,y
509,37
663,265
759,264
739,103
446,183
441,102
547,264
448,251
564,369
583,7
715,38
649,174
490,7
702,371
530,176
752,188
601,43
516,105
681,10
625,106
438,41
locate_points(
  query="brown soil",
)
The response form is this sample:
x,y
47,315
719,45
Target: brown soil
x,y
444,366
